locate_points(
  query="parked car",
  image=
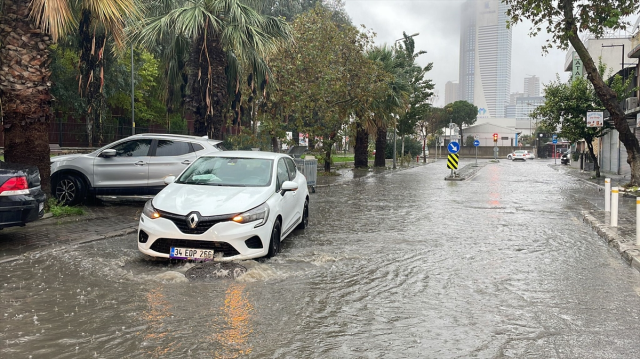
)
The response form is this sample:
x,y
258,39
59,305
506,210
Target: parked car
x,y
227,206
21,198
519,155
136,165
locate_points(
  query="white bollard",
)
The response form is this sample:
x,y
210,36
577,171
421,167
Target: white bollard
x,y
614,207
607,194
637,221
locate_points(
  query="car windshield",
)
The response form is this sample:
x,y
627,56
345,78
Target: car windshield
x,y
228,171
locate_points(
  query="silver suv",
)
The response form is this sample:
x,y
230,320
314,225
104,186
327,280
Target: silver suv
x,y
136,165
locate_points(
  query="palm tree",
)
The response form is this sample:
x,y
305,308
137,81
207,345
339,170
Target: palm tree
x,y
384,108
225,37
27,29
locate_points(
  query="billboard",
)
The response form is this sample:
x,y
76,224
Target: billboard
x,y
595,119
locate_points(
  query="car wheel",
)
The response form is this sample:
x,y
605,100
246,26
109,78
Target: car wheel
x,y
508,157
69,190
305,216
274,242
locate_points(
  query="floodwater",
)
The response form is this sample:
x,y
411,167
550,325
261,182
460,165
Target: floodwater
x,y
400,265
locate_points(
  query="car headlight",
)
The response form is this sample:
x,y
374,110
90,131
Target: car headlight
x,y
149,211
260,213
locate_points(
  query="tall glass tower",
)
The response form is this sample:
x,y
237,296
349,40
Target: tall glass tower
x,y
485,57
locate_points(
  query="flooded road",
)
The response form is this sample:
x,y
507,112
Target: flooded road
x,y
401,265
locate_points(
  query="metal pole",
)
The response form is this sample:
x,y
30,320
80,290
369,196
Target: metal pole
x,y
637,221
614,207
394,143
607,194
133,104
555,154
476,155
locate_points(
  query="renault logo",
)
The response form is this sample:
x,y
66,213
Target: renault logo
x,y
192,220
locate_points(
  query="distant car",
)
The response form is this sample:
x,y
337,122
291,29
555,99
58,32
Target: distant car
x,y
136,165
226,206
21,198
529,155
519,155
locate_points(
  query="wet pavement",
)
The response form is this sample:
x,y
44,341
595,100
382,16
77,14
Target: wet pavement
x,y
396,264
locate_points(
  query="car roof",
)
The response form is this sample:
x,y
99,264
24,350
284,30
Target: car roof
x,y
172,136
247,154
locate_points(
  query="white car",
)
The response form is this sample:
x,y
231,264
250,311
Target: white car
x,y
226,206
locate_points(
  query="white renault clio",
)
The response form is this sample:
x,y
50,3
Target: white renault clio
x,y
226,206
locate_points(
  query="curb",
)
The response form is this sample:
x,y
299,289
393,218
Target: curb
x,y
108,235
375,175
629,251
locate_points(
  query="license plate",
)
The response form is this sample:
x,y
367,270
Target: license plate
x,y
191,253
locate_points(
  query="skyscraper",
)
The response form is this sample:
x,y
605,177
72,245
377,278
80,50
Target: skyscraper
x,y
531,86
485,56
450,92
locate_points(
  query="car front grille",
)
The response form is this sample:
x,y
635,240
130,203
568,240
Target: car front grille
x,y
163,245
204,223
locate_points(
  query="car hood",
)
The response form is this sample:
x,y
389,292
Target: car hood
x,y
210,200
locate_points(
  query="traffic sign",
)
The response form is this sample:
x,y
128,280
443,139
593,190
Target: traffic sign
x,y
453,147
555,140
555,136
476,143
452,161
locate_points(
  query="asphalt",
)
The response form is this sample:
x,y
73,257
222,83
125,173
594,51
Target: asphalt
x,y
115,217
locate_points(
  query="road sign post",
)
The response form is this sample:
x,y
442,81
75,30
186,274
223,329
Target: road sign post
x,y
453,148
555,152
476,143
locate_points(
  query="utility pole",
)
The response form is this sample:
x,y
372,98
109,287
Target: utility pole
x,y
133,103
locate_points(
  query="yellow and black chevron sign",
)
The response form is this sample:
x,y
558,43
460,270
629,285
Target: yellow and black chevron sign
x,y
452,161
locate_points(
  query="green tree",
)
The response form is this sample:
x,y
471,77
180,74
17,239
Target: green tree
x,y
428,126
462,113
566,21
222,35
28,29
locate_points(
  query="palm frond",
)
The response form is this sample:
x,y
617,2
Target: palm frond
x,y
54,17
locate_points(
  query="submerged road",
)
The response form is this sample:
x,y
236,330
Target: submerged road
x,y
400,265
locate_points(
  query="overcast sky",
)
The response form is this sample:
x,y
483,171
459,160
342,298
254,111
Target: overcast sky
x,y
438,22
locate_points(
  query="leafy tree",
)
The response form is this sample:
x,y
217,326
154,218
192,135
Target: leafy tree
x,y
421,88
222,35
28,29
566,21
462,113
434,119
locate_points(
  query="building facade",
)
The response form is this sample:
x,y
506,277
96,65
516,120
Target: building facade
x,y
485,57
450,92
532,86
524,107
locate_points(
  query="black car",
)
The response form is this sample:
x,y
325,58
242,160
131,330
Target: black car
x,y
21,198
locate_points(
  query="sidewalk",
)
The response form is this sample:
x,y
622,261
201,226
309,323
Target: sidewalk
x,y
346,174
104,220
622,237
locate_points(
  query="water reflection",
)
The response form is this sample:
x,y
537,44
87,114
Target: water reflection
x,y
157,329
237,314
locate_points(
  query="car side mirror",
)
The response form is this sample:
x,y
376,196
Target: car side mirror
x,y
108,153
169,179
288,186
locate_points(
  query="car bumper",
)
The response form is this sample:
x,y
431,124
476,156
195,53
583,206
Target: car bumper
x,y
19,210
229,240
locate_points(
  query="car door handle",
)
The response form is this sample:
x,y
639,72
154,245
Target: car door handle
x,y
139,163
186,162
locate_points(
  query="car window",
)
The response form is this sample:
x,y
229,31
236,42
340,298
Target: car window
x,y
228,171
283,174
197,147
134,148
292,168
172,148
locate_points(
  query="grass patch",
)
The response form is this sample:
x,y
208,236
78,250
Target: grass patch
x,y
60,210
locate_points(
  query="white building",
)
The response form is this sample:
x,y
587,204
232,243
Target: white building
x,y
532,86
450,92
485,57
524,107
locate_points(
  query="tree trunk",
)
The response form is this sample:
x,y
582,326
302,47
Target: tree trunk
x,y
605,94
402,153
327,158
208,95
25,89
381,147
596,166
274,144
361,149
91,68
424,149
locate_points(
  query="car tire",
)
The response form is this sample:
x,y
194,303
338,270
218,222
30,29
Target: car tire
x,y
274,241
69,190
509,157
305,216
